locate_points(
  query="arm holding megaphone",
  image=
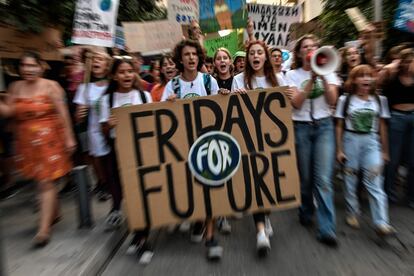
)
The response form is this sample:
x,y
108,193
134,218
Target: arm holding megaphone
x,y
331,90
298,98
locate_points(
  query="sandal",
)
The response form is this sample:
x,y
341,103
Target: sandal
x,y
40,240
57,219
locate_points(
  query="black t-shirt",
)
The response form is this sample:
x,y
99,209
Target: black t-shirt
x,y
225,83
397,93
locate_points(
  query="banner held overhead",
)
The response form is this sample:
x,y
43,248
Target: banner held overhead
x,y
222,15
182,11
272,23
94,22
152,36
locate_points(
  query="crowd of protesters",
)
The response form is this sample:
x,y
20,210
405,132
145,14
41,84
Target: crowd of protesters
x,y
361,117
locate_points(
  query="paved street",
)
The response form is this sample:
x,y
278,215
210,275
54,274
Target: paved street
x,y
295,251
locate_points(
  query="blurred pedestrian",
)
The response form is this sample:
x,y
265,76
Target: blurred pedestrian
x,y
43,135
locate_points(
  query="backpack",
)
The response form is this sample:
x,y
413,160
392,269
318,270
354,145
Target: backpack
x,y
177,89
141,94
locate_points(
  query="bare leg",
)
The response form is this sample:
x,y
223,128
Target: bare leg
x,y
209,229
48,204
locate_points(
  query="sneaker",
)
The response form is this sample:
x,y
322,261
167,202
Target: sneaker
x,y
224,225
262,243
171,228
135,245
184,227
268,227
238,215
214,251
328,240
385,230
146,257
103,196
198,232
145,253
114,219
352,221
307,223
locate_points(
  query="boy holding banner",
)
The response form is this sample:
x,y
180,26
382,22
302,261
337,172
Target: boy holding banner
x,y
189,58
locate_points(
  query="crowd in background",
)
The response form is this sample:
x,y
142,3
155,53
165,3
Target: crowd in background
x,y
362,117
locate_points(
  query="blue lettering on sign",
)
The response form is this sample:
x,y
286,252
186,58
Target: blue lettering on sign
x,y
182,18
214,158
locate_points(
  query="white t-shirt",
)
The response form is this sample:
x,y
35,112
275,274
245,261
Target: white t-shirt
x,y
362,115
120,99
257,82
316,102
190,89
97,144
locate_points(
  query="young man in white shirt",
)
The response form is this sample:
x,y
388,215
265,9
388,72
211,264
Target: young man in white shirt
x,y
189,58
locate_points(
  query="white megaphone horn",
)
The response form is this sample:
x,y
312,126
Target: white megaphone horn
x,y
324,60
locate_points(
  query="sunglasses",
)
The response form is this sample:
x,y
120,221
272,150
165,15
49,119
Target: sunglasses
x,y
122,57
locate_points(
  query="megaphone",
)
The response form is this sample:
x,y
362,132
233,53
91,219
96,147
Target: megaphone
x,y
324,61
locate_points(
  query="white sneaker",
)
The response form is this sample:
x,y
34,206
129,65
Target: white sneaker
x,y
114,220
268,227
214,251
263,243
224,225
146,257
184,227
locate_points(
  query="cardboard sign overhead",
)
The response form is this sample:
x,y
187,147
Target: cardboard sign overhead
x,y
152,36
182,11
94,22
272,23
258,161
359,20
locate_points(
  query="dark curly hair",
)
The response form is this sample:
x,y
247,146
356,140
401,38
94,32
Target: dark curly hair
x,y
178,53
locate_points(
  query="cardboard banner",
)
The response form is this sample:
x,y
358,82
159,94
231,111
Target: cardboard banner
x,y
222,15
182,11
230,42
152,36
404,16
242,153
359,20
272,23
94,22
14,43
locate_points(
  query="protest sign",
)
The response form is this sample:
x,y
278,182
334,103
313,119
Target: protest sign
x,y
253,169
404,16
222,15
182,11
14,43
359,20
152,36
230,42
272,23
94,22
119,38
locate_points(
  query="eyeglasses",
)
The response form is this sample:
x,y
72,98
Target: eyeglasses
x,y
122,57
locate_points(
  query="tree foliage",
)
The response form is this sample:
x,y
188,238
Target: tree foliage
x,y
338,28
